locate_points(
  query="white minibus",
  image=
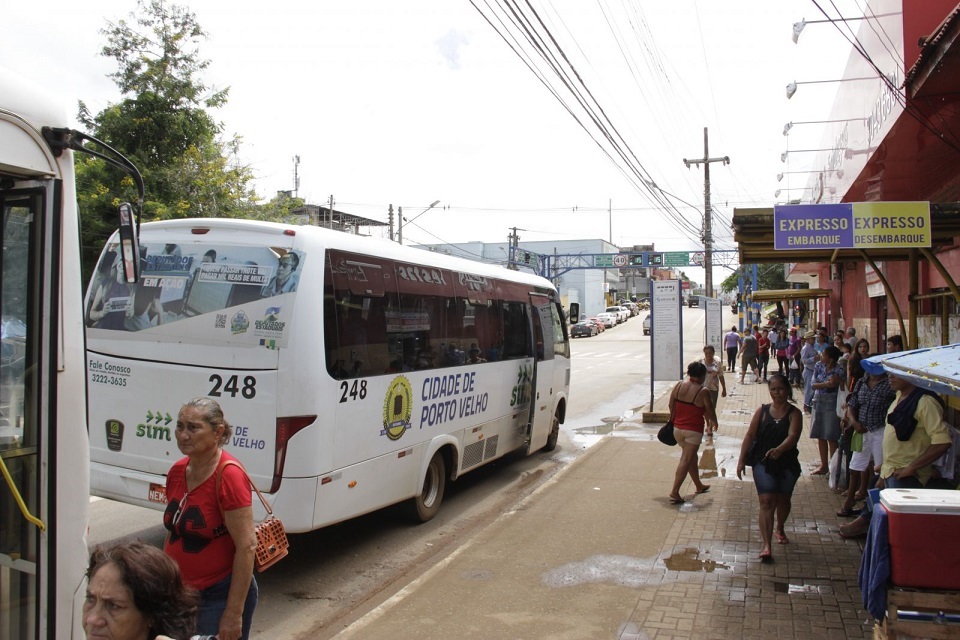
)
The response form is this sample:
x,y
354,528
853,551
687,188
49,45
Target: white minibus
x,y
357,373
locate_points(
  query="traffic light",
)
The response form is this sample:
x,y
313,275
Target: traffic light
x,y
636,260
656,259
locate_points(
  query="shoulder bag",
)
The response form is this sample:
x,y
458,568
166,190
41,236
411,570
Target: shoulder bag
x,y
272,543
665,435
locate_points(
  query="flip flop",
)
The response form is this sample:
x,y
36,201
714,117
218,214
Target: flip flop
x,y
706,488
820,472
847,513
766,557
781,538
677,500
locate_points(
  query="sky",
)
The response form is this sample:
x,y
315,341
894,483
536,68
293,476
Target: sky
x,y
407,103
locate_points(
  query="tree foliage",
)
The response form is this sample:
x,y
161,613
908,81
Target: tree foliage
x,y
163,126
769,276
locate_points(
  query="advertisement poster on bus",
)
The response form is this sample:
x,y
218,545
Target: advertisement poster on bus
x,y
201,293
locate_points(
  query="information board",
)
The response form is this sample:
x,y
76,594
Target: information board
x,y
666,330
676,259
857,225
714,324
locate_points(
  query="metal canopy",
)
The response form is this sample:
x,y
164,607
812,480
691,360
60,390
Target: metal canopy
x,y
753,233
936,369
774,295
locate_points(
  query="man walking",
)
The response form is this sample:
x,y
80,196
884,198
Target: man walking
x,y
748,355
731,342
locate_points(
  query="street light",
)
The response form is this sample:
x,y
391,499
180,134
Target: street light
x,y
787,127
401,219
792,86
839,172
799,26
783,156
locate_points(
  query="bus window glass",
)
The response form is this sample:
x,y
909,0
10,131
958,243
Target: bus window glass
x,y
516,333
560,339
18,418
360,292
179,283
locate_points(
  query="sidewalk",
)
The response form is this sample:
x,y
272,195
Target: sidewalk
x,y
598,552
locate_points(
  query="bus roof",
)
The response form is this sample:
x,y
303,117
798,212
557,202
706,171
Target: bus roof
x,y
350,242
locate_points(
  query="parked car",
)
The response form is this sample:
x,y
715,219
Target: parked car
x,y
632,308
619,312
582,329
693,301
646,325
600,326
608,319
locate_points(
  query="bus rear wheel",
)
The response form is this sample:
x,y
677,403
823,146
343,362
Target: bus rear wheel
x,y
426,505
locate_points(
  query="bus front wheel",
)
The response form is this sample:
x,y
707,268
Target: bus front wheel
x,y
554,435
426,505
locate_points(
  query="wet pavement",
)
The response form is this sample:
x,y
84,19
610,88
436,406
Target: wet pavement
x,y
598,552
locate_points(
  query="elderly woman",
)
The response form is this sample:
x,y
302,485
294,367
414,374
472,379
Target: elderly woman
x,y
828,376
690,404
134,592
209,520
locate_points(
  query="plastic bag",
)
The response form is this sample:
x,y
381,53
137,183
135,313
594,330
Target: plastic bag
x,y
838,471
841,402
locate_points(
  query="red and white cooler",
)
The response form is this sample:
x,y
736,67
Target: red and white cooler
x,y
924,534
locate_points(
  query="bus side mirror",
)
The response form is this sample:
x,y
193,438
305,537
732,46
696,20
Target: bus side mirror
x,y
574,312
129,244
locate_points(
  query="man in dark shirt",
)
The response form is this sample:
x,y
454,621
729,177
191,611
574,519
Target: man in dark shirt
x,y
748,354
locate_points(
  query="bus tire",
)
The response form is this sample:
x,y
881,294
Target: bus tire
x,y
554,435
427,503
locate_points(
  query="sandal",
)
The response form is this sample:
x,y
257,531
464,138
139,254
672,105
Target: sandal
x,y
766,556
677,500
847,513
781,538
706,488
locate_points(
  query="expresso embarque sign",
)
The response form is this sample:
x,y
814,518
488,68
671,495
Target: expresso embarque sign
x,y
859,225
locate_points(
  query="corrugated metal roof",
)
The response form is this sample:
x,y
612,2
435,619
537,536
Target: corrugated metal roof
x,y
936,369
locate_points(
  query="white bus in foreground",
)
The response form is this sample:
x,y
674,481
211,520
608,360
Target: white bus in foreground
x,y
357,373
44,492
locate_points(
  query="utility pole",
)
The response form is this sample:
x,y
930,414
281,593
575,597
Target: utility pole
x,y
296,176
514,242
707,210
390,218
400,225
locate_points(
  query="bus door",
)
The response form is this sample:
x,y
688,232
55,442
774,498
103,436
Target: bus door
x,y
541,395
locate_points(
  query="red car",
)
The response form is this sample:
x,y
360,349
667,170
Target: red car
x,y
599,324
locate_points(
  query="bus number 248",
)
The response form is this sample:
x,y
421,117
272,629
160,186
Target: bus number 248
x,y
232,386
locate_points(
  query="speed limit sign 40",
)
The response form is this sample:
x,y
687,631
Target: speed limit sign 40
x,y
619,260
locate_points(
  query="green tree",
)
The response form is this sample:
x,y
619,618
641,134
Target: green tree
x,y
769,276
163,125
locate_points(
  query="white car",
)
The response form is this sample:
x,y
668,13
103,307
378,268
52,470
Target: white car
x,y
646,325
608,319
622,313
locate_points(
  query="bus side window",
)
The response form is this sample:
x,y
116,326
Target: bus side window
x,y
516,337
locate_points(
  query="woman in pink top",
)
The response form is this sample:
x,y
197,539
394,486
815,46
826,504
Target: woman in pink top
x,y
690,403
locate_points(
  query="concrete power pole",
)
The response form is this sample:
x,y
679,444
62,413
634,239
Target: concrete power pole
x,y
707,210
390,218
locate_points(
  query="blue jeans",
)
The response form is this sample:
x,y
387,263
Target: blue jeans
x,y
807,387
213,602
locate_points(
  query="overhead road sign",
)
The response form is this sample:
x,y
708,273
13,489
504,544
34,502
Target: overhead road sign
x,y
859,225
676,259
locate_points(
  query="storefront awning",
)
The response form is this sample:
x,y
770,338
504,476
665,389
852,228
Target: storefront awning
x,y
936,369
775,295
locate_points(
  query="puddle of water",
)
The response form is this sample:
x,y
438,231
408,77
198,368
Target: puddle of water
x,y
689,560
601,430
609,569
802,589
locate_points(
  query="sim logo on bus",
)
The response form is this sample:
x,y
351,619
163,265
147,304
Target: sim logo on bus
x,y
397,408
521,391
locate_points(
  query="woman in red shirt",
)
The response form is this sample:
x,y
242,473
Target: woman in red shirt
x,y
763,353
209,523
690,403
